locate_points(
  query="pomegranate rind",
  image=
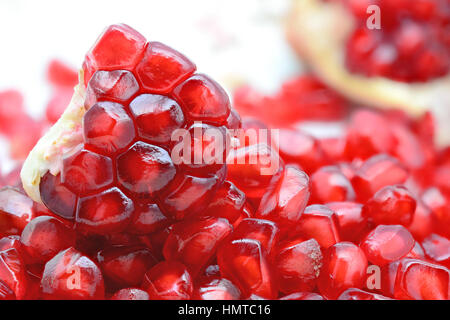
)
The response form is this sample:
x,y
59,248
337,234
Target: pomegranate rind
x,y
317,30
62,137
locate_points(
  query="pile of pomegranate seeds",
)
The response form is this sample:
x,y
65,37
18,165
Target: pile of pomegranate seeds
x,y
412,44
362,216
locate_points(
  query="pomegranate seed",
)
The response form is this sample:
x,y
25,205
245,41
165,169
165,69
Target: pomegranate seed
x,y
217,289
130,294
264,231
125,265
71,275
377,172
56,197
168,280
147,218
285,198
352,224
440,206
234,120
245,264
194,242
60,74
11,242
44,237
107,128
320,223
297,265
387,243
5,292
391,205
388,277
437,248
344,267
13,272
303,296
358,294
421,280
423,221
330,184
16,210
162,68
416,252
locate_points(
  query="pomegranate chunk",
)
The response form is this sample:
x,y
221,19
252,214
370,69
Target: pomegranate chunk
x,y
352,224
130,294
285,198
245,264
264,231
344,267
217,289
44,237
387,243
437,248
297,265
71,276
330,184
168,280
194,242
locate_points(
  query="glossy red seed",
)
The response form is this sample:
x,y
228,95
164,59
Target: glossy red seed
x,y
391,205
118,47
388,276
107,212
352,224
344,267
147,218
13,272
420,280
358,294
423,221
437,248
203,99
145,169
264,231
61,74
297,265
85,171
5,292
387,243
234,120
156,117
440,206
245,264
285,198
330,184
125,265
168,280
16,210
107,128
252,168
162,68
72,276
130,294
416,252
321,223
194,242
44,237
217,289
11,242
56,197
302,296
377,172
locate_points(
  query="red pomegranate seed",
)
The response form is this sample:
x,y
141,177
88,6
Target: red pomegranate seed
x,y
56,197
388,276
297,265
217,289
44,237
168,280
352,224
60,74
358,294
234,120
423,221
130,294
264,231
147,218
330,184
5,292
125,265
203,99
116,85
416,252
107,128
387,243
16,210
85,171
391,205
321,223
440,207
421,280
13,272
11,242
118,47
377,172
285,198
344,267
194,242
162,68
156,117
437,248
71,275
302,296
107,212
244,262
